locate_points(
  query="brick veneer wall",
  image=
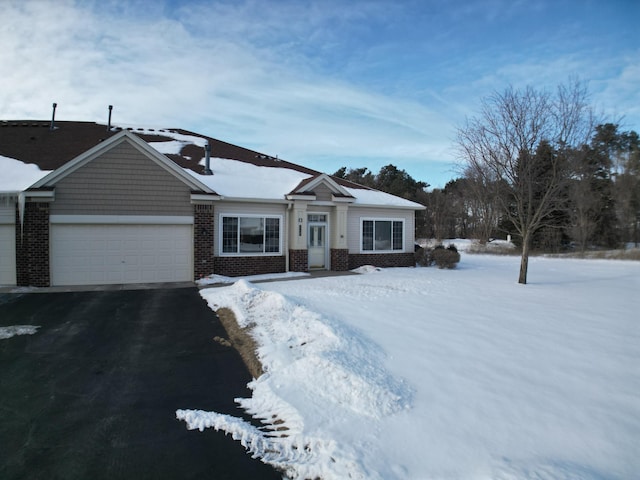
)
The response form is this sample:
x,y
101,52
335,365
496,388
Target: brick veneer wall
x,y
382,260
339,259
240,266
298,261
203,233
32,245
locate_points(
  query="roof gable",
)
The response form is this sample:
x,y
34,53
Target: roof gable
x,y
65,147
310,184
52,178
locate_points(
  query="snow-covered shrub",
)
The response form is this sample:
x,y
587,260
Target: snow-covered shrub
x,y
445,257
423,257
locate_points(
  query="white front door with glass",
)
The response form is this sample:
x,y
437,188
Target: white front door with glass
x,y
317,248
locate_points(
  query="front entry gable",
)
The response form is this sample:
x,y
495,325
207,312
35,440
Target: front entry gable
x,y
320,188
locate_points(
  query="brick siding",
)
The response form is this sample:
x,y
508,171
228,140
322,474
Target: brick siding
x,y
240,266
298,261
203,238
32,245
339,259
382,260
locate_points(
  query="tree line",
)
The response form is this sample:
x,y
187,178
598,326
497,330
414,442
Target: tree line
x,y
535,165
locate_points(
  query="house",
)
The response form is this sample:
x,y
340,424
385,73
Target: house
x,y
83,203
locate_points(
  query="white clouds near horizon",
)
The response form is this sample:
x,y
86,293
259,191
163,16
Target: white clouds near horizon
x,y
323,84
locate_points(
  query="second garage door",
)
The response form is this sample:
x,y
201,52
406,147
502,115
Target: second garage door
x,y
120,254
7,254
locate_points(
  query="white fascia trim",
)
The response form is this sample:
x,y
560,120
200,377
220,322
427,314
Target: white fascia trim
x,y
203,197
390,207
321,203
40,194
282,201
121,219
342,199
308,198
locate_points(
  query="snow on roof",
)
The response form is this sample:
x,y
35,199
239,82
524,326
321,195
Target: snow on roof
x,y
172,147
17,176
167,132
378,198
250,176
236,179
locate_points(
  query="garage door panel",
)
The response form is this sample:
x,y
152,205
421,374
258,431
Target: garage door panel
x,y
114,254
7,255
97,261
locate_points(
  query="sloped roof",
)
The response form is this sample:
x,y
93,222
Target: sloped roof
x,y
33,142
124,136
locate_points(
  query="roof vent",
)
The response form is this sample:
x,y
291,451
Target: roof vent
x,y
207,159
53,117
109,122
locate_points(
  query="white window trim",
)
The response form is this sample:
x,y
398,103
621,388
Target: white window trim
x,y
383,219
326,217
221,253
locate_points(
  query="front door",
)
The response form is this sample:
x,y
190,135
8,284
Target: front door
x,y
317,249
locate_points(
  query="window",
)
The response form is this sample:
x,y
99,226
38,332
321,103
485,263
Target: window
x,y
317,218
250,235
382,235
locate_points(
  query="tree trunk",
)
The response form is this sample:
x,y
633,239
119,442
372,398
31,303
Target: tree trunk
x,y
524,260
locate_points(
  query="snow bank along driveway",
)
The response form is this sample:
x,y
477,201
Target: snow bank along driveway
x,y
425,373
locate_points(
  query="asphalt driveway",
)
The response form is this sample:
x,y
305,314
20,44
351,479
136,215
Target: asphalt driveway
x,y
93,394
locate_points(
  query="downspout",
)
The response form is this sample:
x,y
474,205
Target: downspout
x,y
286,250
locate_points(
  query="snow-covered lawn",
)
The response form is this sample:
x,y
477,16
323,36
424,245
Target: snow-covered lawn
x,y
445,374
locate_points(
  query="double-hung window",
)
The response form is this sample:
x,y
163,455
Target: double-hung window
x,y
382,235
246,235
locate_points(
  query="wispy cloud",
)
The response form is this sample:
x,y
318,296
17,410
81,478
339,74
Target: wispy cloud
x,y
327,84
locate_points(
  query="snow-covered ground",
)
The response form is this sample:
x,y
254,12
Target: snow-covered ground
x,y
424,373
13,330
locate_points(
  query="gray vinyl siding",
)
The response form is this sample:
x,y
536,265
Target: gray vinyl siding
x,y
257,209
323,193
353,225
123,181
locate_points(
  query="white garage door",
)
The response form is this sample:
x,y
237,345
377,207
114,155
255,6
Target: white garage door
x,y
7,254
118,254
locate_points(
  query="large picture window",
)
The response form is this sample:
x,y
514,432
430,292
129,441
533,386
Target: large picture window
x,y
382,235
250,235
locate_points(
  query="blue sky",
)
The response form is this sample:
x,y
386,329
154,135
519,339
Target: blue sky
x,y
321,83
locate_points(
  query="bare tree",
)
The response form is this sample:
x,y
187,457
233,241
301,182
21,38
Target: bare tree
x,y
483,204
439,214
520,139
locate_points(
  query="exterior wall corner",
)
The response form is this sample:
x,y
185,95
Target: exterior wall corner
x,y
32,245
203,238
